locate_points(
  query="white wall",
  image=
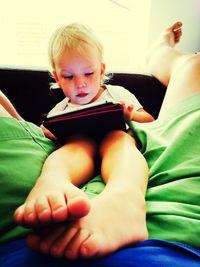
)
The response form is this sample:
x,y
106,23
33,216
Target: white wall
x,y
165,12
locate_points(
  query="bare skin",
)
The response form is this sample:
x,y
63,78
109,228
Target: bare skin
x,y
96,235
50,203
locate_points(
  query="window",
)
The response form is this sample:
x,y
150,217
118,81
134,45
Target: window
x,y
26,26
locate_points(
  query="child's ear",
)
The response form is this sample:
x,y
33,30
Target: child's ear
x,y
103,69
55,76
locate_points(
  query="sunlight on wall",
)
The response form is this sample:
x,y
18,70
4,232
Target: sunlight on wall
x,y
26,26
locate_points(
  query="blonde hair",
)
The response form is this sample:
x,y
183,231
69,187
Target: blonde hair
x,y
72,36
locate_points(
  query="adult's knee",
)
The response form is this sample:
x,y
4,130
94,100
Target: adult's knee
x,y
187,64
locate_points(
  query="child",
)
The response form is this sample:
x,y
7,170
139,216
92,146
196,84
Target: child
x,y
76,59
77,65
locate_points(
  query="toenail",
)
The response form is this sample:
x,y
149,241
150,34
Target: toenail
x,y
30,217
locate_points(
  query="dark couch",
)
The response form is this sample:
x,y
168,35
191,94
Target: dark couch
x,y
29,91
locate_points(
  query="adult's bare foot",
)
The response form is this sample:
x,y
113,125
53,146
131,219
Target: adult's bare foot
x,y
170,36
114,221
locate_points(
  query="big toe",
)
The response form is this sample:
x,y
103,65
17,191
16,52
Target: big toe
x,y
177,25
78,207
19,214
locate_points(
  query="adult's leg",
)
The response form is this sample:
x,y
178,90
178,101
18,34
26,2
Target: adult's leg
x,y
117,216
177,70
55,196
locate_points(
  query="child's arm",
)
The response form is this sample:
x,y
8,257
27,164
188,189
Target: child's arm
x,y
139,115
4,101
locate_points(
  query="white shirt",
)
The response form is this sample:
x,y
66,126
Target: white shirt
x,y
110,94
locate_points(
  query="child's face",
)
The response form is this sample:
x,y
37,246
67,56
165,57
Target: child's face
x,y
79,75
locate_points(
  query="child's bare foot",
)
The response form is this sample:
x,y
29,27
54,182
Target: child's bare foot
x,y
114,221
52,202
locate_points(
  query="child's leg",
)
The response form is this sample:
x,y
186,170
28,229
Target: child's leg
x,y
179,71
117,216
55,196
119,155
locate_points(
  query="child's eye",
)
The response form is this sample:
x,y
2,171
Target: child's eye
x,y
89,73
68,77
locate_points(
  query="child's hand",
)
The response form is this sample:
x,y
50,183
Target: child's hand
x,y
47,133
128,111
139,115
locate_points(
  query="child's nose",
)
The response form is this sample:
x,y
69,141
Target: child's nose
x,y
80,82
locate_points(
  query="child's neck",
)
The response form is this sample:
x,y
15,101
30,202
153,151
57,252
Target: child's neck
x,y
102,88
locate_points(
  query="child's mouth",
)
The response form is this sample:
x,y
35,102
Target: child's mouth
x,y
81,95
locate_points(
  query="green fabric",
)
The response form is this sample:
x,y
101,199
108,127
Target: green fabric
x,y
171,146
94,187
23,149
